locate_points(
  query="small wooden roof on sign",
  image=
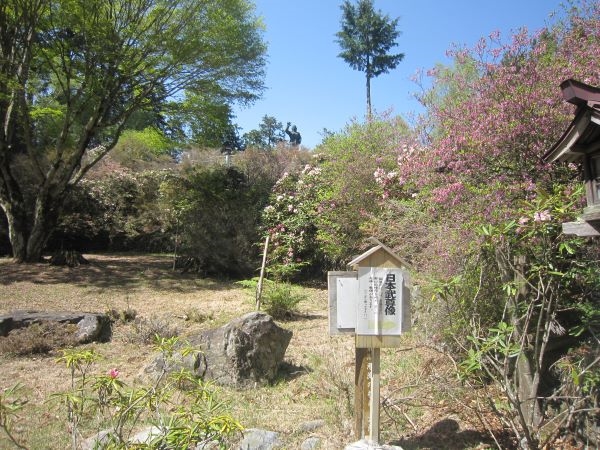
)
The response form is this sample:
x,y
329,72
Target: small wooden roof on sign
x,y
379,256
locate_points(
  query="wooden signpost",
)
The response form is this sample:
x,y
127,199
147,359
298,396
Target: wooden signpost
x,y
371,302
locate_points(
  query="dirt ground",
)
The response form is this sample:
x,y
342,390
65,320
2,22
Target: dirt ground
x,y
419,409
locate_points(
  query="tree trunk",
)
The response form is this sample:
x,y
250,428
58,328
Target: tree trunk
x,y
37,241
527,388
28,237
526,374
45,218
369,96
17,231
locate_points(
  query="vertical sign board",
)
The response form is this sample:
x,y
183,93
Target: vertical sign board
x,y
347,290
380,298
372,303
343,297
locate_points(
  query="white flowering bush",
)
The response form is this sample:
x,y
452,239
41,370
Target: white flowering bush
x,y
289,220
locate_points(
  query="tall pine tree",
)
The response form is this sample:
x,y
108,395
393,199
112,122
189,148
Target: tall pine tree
x,y
366,38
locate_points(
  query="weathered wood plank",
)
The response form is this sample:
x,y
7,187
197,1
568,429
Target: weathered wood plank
x,y
374,401
361,392
332,295
363,341
580,229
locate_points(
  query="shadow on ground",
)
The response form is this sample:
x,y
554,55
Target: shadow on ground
x,y
288,371
444,435
111,272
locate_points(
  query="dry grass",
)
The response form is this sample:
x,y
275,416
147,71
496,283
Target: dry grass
x,y
316,382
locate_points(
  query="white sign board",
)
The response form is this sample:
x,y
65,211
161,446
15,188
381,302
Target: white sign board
x,y
380,306
343,295
347,292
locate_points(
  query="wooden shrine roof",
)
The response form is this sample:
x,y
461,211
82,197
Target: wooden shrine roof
x,y
583,133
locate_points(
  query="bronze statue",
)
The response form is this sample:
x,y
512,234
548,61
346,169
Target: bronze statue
x,y
294,135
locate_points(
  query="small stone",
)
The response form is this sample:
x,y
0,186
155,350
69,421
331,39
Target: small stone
x,y
312,425
99,440
257,439
146,435
365,444
312,443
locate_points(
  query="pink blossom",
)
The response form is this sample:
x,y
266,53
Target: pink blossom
x,y
113,373
542,216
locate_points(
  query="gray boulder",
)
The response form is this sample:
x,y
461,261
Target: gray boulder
x,y
90,326
245,352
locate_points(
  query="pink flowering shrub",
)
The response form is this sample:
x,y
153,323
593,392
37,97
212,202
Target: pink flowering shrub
x,y
489,120
319,216
521,287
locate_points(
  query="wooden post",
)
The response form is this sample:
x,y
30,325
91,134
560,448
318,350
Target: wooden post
x,y
381,305
262,273
361,392
367,393
374,397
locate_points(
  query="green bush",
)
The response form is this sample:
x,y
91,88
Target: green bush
x,y
214,214
545,281
182,408
278,299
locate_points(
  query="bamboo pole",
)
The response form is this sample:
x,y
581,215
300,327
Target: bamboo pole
x,y
262,273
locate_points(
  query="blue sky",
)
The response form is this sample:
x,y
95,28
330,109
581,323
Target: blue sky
x,y
310,86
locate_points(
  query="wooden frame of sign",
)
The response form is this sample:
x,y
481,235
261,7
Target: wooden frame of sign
x,y
368,350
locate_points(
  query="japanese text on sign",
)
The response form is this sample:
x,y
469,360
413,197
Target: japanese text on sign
x,y
380,297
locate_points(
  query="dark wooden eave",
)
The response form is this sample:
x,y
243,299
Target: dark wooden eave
x,y
583,134
579,93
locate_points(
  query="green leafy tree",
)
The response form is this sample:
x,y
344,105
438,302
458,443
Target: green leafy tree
x,y
73,72
269,133
138,149
366,38
349,193
207,118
